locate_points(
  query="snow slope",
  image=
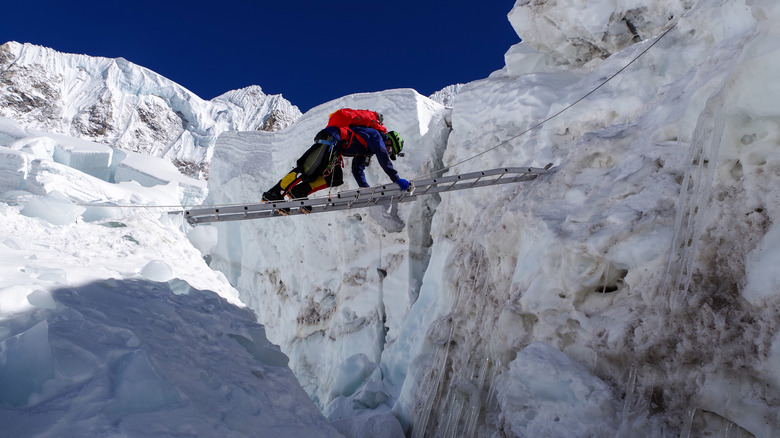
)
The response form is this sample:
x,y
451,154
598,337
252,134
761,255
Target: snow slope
x,y
111,322
631,293
118,103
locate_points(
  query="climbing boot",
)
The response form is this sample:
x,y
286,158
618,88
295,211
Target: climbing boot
x,y
270,198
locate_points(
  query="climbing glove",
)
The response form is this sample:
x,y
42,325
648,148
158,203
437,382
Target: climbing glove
x,y
403,184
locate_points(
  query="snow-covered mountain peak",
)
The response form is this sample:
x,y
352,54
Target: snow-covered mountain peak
x,y
252,93
121,104
257,110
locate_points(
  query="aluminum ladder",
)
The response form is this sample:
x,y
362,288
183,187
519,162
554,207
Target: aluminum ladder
x,y
365,197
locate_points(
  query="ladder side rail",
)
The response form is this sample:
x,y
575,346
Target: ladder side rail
x,y
267,210
477,184
480,174
371,196
367,193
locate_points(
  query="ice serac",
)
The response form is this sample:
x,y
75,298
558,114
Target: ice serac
x,y
577,32
123,105
314,282
639,258
89,172
13,169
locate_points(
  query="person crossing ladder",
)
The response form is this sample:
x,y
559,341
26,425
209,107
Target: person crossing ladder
x,y
359,134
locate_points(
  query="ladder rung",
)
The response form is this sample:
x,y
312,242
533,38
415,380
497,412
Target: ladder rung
x,y
363,197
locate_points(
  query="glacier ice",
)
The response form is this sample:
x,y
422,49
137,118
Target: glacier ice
x,y
25,365
91,158
378,425
41,299
351,374
157,270
14,166
10,131
54,208
546,393
204,238
138,388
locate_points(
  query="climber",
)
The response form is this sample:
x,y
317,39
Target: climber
x,y
350,133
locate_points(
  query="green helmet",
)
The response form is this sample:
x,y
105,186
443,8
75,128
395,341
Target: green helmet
x,y
396,145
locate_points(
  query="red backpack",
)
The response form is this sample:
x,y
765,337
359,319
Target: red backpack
x,y
346,117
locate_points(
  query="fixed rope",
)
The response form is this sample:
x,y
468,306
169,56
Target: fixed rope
x,y
539,124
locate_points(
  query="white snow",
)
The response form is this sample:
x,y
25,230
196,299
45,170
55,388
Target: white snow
x,y
9,131
112,324
125,106
13,168
631,292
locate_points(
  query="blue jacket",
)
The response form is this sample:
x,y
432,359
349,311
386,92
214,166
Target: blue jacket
x,y
375,145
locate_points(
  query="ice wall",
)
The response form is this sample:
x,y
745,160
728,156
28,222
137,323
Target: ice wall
x,y
314,280
636,258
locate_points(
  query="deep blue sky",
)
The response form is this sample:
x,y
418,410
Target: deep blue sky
x,y
308,51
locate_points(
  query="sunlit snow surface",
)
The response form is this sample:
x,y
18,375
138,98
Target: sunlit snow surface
x,y
111,323
632,292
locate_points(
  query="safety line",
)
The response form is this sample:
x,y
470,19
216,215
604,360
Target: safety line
x,y
559,112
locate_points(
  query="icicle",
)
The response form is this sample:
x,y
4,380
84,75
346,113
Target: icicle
x,y
429,390
685,432
431,385
695,194
475,401
492,399
446,410
727,429
452,419
625,427
381,310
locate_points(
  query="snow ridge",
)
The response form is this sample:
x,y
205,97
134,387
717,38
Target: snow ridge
x,y
118,103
